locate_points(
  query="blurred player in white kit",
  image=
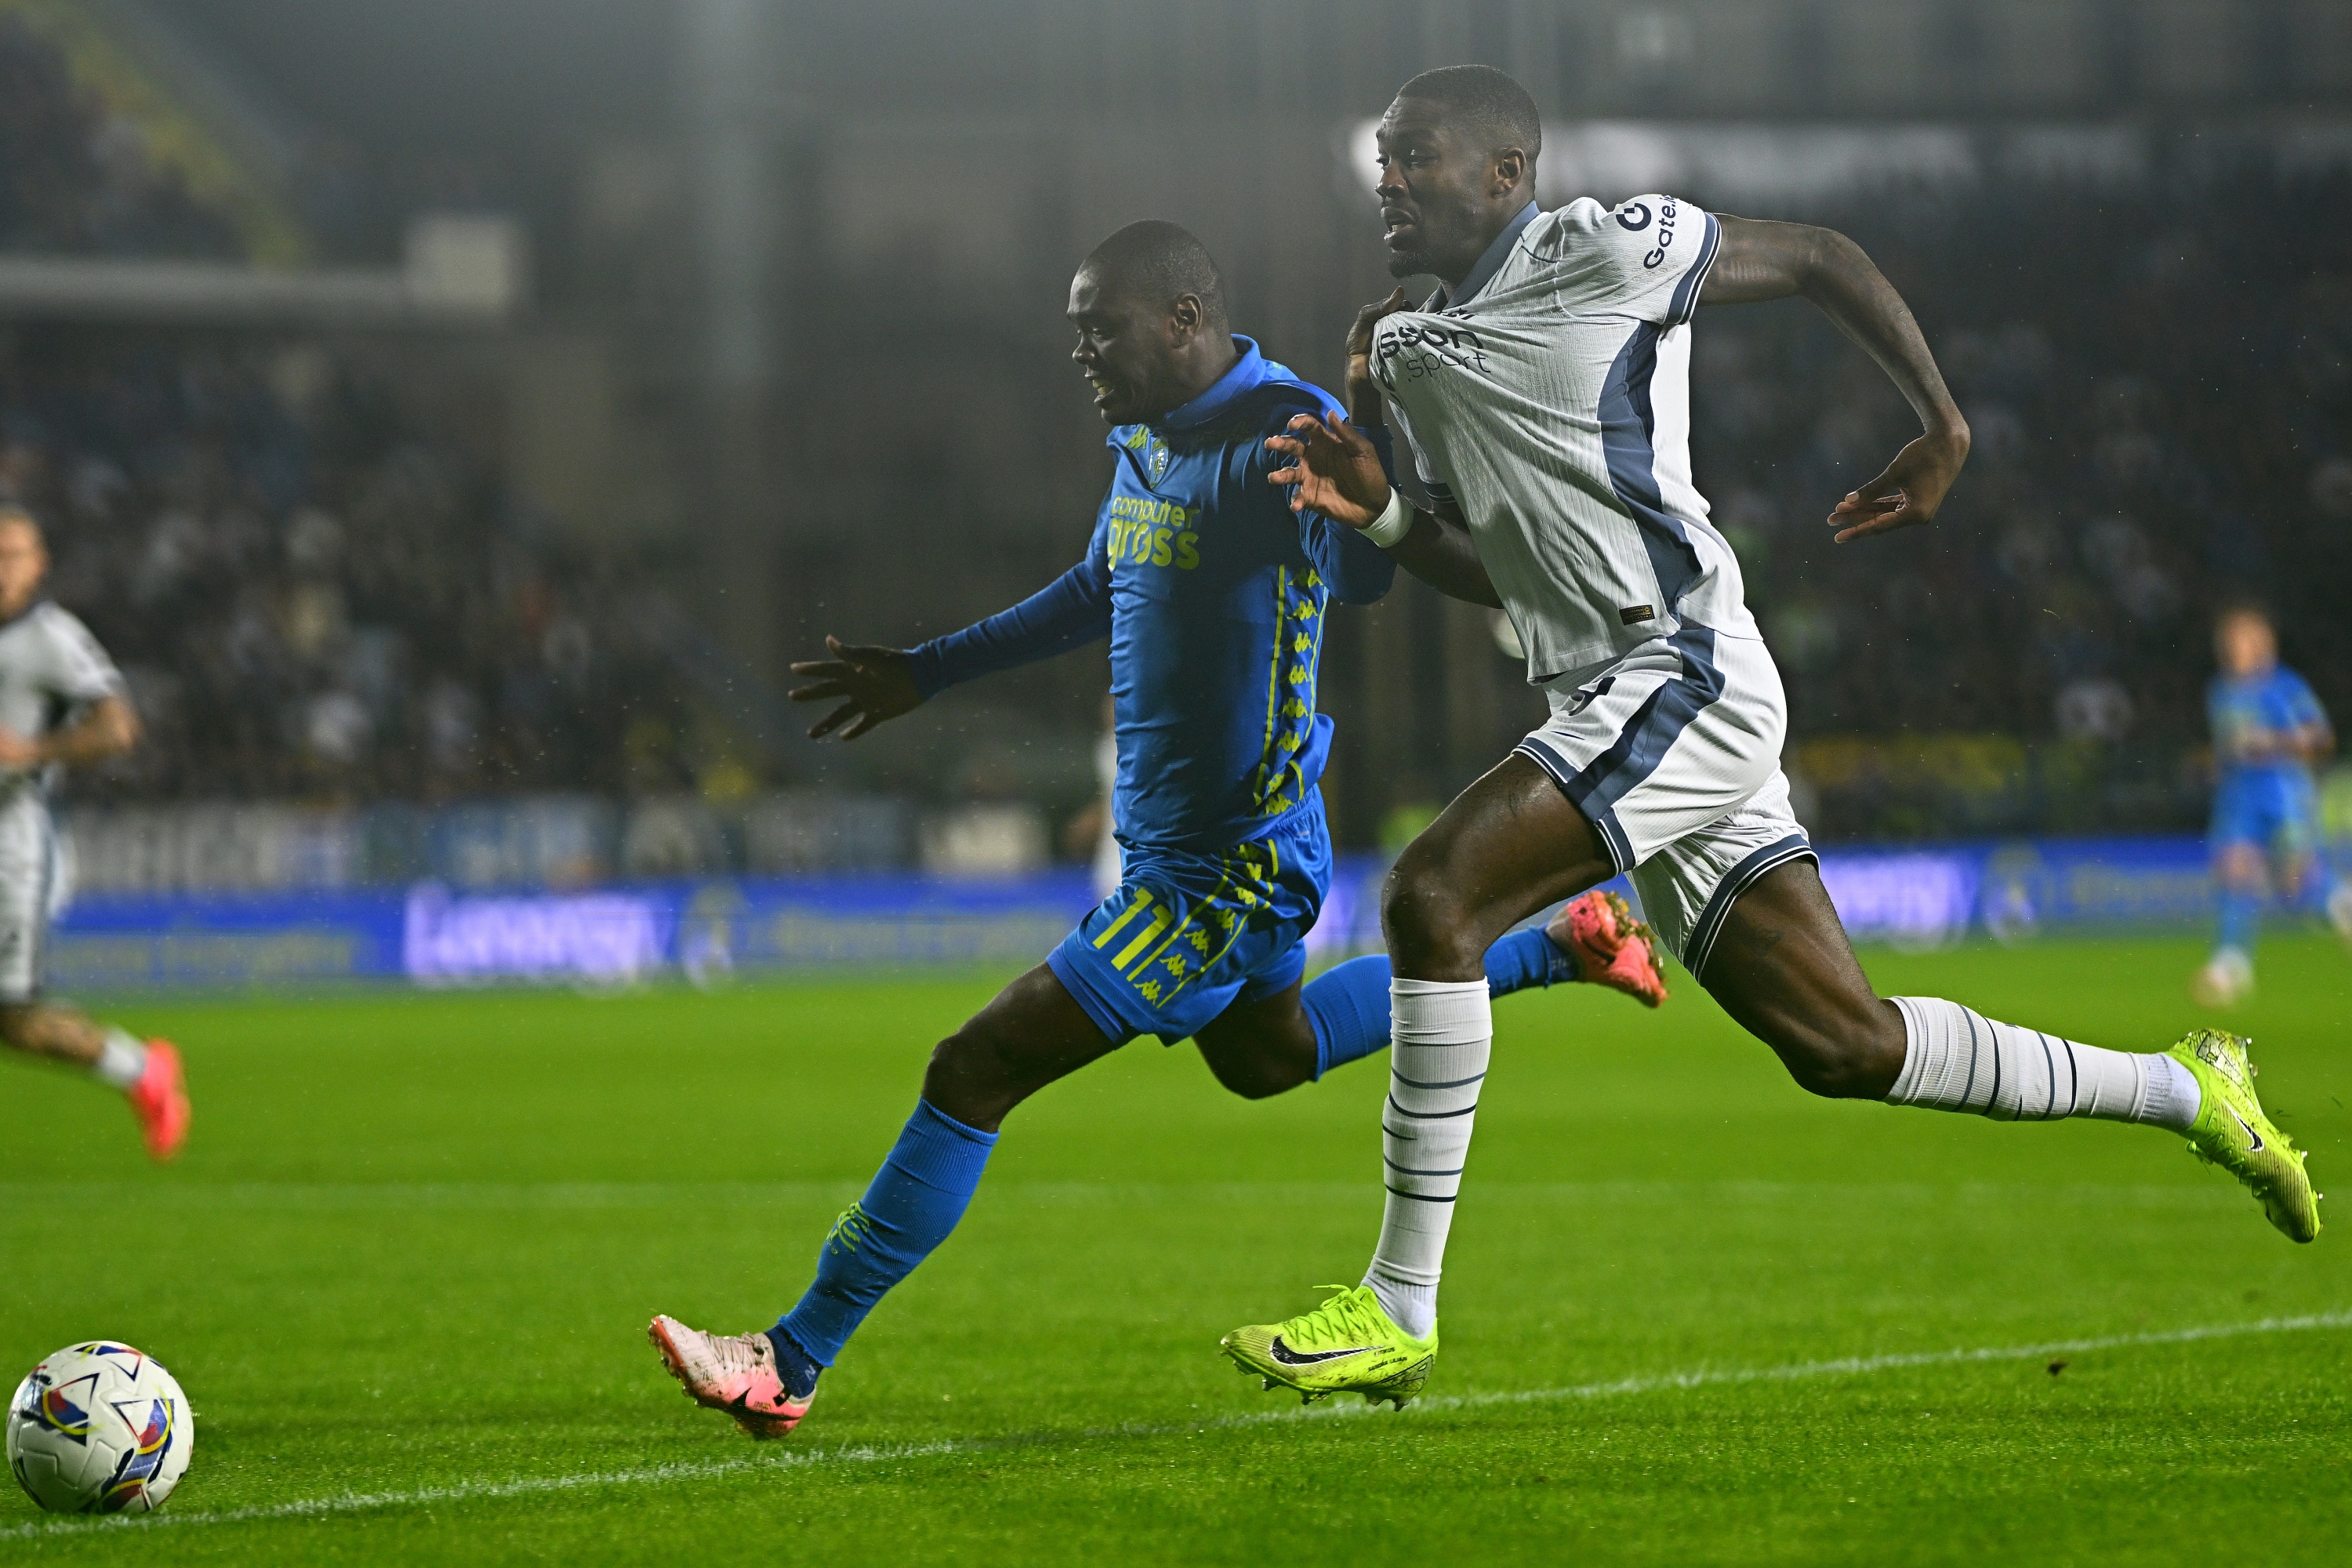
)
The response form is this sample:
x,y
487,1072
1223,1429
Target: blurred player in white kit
x,y
62,704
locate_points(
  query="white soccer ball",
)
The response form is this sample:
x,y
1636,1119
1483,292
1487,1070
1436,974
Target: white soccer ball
x,y
99,1428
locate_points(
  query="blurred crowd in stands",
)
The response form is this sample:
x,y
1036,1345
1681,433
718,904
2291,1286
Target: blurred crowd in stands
x,y
75,177
317,598
2159,379
309,596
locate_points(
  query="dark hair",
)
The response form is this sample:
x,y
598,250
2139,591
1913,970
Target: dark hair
x,y
1487,101
1161,261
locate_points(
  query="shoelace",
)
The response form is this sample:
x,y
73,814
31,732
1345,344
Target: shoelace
x,y
734,1353
1340,1318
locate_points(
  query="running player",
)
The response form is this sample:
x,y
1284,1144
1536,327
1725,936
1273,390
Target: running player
x,y
2268,730
1214,596
61,705
1544,393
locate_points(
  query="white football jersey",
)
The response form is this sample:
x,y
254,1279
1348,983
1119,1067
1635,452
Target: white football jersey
x,y
1550,401
50,667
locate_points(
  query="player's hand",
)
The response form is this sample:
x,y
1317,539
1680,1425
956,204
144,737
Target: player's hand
x,y
17,754
875,683
1360,349
1908,493
1336,468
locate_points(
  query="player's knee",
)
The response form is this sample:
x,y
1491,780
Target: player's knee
x,y
1254,1078
1425,919
1846,1058
973,1056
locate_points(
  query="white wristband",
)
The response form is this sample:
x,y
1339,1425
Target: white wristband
x,y
1394,523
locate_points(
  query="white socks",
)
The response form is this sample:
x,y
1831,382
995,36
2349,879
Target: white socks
x,y
1960,1060
122,1060
1440,1034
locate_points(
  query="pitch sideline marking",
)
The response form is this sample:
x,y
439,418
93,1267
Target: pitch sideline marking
x,y
356,1502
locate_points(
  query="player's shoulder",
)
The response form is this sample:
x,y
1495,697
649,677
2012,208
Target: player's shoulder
x,y
1272,403
2290,683
54,623
1585,221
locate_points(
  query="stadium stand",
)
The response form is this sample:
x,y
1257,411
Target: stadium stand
x,y
2157,379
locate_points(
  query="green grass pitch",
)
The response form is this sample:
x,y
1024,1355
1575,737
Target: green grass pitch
x,y
404,1267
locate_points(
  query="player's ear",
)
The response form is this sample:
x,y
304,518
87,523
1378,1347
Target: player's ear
x,y
1510,168
1184,317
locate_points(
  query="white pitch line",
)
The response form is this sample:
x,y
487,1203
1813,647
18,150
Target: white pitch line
x,y
1703,1377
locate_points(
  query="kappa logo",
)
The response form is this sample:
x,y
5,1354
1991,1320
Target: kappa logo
x,y
1146,445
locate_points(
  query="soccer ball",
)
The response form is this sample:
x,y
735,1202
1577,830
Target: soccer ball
x,y
99,1428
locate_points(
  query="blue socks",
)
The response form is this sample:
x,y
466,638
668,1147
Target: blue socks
x,y
2240,915
1349,1002
925,1184
915,1200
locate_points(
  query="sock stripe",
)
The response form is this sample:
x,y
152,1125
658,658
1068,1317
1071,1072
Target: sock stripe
x,y
1429,1115
1968,1094
1410,1171
1451,1083
2109,1085
1419,1197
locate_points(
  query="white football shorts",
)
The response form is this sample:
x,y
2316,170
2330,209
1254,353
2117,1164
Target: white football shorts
x,y
1672,754
28,879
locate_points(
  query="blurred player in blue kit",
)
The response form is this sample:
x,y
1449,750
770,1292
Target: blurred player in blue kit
x,y
1213,593
2268,729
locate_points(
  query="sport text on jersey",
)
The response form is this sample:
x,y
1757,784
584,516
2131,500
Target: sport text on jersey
x,y
1635,216
1418,349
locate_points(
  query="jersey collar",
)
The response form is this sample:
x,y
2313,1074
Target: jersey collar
x,y
1246,373
37,601
1489,263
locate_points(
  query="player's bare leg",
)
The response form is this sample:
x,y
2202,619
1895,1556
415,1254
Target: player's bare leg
x,y
1266,1046
1785,972
1782,967
147,1072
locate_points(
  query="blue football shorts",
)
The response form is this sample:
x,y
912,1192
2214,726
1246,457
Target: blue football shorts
x,y
2277,812
1188,935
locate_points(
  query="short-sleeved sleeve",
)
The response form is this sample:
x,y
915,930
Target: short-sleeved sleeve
x,y
1646,257
2300,704
78,670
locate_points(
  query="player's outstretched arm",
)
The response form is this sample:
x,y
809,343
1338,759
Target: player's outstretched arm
x,y
108,729
1762,260
1336,471
873,683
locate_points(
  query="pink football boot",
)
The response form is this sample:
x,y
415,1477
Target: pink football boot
x,y
734,1372
160,1100
1609,946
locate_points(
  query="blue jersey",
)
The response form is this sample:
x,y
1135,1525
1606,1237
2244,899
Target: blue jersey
x,y
1213,592
2251,714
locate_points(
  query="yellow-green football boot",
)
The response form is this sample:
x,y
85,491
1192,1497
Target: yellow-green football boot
x,y
2231,1131
1347,1345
